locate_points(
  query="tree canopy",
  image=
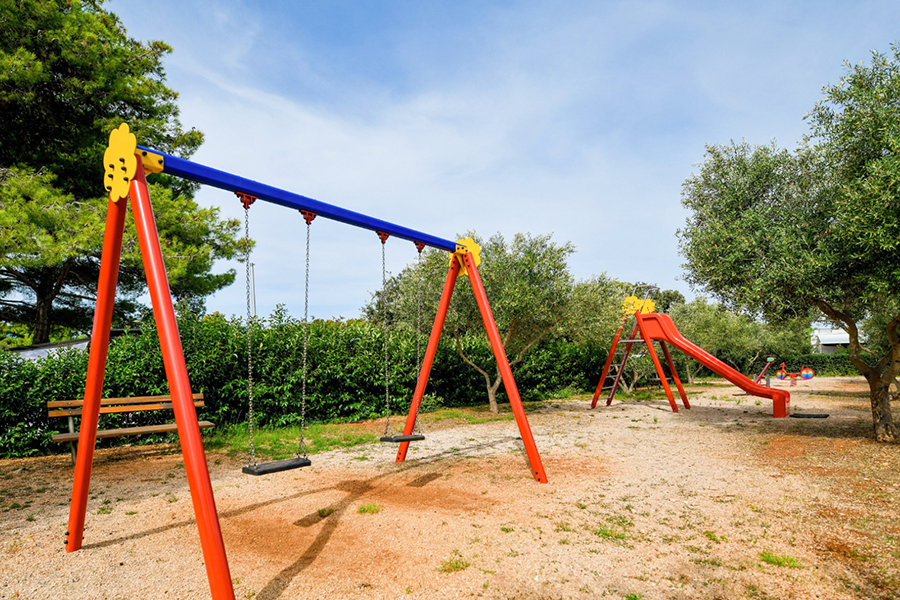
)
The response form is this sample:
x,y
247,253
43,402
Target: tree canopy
x,y
816,231
69,74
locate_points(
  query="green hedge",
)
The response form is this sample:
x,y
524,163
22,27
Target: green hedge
x,y
345,381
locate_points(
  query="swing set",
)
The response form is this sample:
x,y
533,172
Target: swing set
x,y
125,165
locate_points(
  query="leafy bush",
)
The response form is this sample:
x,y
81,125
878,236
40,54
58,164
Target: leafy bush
x,y
345,378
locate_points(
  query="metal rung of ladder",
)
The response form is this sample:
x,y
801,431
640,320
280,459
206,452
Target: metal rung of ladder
x,y
634,341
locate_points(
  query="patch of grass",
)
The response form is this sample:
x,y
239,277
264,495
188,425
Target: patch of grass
x,y
455,563
130,512
609,533
371,508
620,521
507,529
277,443
104,510
471,416
563,526
324,512
633,596
713,537
780,560
706,561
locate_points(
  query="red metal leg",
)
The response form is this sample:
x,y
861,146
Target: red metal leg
x,y
428,360
656,363
505,372
674,372
93,389
180,389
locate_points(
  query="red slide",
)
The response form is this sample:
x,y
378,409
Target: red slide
x,y
660,327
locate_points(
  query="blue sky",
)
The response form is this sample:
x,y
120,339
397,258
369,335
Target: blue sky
x,y
580,119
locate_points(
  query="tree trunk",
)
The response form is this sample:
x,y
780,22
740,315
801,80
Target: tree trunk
x,y
47,289
882,420
41,330
492,393
879,377
690,374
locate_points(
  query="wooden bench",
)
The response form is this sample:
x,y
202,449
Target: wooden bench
x,y
73,408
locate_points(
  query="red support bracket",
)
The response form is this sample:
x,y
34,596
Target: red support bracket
x,y
383,236
246,199
419,246
308,216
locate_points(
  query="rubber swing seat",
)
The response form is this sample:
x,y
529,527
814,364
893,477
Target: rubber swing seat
x,y
415,437
276,466
809,415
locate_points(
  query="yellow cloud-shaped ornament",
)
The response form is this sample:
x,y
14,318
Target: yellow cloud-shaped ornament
x,y
632,304
463,246
119,162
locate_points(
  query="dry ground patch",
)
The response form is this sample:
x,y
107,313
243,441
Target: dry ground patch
x,y
720,501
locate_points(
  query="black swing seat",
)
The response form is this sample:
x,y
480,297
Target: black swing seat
x,y
415,437
277,466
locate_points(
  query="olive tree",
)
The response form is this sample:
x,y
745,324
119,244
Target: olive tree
x,y
817,231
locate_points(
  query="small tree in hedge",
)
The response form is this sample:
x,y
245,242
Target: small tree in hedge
x,y
528,286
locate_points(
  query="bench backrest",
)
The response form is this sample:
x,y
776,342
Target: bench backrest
x,y
73,408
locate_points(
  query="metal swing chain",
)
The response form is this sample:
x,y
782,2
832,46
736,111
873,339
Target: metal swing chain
x,y
302,447
388,430
251,460
419,312
416,428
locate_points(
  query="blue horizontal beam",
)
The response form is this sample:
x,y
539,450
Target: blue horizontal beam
x,y
226,181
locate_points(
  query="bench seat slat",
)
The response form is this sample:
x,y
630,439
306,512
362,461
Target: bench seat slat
x,y
109,410
105,433
117,401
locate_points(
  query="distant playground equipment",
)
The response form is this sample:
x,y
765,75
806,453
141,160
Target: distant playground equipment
x,y
770,360
805,373
649,327
125,165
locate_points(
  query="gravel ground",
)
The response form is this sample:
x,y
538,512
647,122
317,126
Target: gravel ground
x,y
641,503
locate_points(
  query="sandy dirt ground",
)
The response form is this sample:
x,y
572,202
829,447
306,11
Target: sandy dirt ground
x,y
720,501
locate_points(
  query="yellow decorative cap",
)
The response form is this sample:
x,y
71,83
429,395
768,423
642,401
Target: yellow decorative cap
x,y
119,162
463,246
